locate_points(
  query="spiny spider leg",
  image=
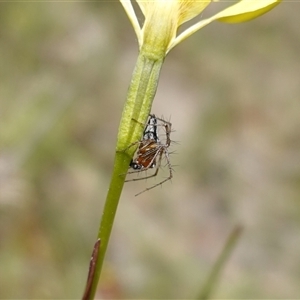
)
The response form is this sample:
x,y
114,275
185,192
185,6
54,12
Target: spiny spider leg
x,y
158,165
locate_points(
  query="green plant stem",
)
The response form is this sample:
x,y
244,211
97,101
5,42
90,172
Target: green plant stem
x,y
136,110
220,263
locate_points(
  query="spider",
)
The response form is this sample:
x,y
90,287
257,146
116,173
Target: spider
x,y
151,151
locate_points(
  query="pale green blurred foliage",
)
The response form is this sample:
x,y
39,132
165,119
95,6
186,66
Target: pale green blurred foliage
x,y
232,92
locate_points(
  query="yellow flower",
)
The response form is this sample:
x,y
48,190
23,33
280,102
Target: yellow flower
x,y
156,38
163,17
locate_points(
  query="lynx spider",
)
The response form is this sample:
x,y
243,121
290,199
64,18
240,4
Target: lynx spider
x,y
151,151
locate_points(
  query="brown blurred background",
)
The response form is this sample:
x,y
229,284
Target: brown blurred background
x,y
232,93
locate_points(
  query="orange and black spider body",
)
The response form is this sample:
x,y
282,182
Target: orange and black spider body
x,y
147,151
146,155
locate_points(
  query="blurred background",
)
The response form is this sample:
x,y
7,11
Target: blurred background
x,y
232,95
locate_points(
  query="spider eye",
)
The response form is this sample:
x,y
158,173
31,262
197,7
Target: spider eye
x,y
135,166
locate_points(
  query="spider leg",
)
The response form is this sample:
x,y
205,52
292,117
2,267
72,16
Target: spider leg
x,y
165,152
147,168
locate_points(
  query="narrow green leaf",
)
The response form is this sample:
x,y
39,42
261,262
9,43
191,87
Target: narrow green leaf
x,y
212,278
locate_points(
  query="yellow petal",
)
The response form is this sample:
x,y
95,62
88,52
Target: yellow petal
x,y
190,8
163,17
160,24
132,17
245,10
143,6
186,9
